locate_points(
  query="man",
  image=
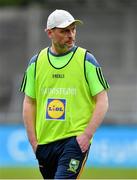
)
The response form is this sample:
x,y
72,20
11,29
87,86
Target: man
x,y
65,100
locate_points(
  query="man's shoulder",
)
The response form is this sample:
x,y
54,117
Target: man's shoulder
x,y
33,59
91,59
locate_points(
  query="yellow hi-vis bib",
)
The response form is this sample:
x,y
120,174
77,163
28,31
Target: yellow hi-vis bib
x,y
64,102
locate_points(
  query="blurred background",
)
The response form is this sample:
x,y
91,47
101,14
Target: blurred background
x,y
110,33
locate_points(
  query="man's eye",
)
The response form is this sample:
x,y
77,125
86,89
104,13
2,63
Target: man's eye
x,y
62,31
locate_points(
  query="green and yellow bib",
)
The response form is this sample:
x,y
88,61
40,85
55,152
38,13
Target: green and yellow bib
x,y
64,101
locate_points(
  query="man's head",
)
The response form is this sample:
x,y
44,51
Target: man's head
x,y
61,29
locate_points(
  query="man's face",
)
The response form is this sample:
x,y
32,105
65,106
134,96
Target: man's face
x,y
63,37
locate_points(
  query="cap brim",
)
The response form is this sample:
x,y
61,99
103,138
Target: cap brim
x,y
66,24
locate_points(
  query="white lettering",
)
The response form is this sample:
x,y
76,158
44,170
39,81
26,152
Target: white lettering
x,y
59,91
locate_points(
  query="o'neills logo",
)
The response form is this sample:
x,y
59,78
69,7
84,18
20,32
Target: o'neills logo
x,y
55,109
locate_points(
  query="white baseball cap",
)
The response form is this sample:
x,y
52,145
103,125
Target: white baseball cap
x,y
61,19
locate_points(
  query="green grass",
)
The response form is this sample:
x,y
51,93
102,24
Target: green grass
x,y
105,173
91,173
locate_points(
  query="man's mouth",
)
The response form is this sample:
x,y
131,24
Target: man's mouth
x,y
70,41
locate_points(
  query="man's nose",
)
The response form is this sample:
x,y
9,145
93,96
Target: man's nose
x,y
70,33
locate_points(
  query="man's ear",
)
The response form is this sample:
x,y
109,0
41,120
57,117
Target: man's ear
x,y
49,32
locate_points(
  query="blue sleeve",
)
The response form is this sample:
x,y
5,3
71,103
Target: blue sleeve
x,y
91,59
33,59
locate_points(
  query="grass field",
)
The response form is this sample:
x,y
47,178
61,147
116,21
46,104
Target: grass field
x,y
93,173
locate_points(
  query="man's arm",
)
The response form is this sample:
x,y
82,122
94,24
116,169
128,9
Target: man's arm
x,y
97,118
29,117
